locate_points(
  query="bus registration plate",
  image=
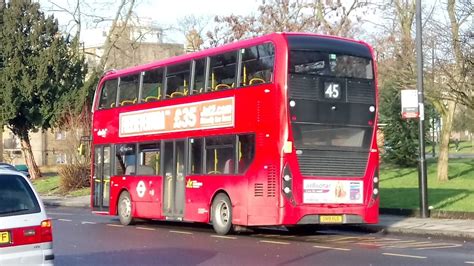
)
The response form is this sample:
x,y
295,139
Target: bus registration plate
x,y
330,219
4,238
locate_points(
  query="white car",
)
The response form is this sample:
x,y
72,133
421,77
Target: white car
x,y
26,234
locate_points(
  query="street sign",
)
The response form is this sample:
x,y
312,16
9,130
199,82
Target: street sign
x,y
410,104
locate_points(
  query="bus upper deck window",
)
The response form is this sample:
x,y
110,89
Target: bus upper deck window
x,y
257,64
152,85
128,89
108,94
222,71
199,76
177,80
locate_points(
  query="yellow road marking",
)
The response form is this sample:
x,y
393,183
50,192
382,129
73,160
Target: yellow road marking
x,y
85,222
413,245
225,237
325,247
65,220
145,228
115,225
181,232
274,242
403,255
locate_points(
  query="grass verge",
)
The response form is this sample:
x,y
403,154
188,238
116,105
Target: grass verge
x,y
49,185
399,187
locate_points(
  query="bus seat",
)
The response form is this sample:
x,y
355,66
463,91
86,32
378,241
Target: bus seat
x,y
145,170
229,166
130,170
141,170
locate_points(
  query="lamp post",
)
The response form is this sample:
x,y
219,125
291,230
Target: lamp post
x,y
422,177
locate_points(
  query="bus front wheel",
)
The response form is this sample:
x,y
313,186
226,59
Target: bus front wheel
x,y
222,214
125,208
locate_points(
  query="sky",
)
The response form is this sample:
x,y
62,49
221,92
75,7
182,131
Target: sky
x,y
165,13
160,12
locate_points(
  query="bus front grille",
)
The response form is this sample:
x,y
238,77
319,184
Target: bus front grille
x,y
332,163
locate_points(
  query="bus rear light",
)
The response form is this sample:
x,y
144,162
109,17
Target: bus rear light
x,y
375,184
287,181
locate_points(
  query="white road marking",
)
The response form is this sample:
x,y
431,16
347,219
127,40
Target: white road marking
x,y
403,255
441,246
181,232
225,237
333,248
65,220
145,228
469,262
88,222
274,242
115,225
59,213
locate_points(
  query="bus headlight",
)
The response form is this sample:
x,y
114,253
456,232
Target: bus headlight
x,y
287,190
376,191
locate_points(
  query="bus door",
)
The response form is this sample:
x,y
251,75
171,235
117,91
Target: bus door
x,y
174,179
101,178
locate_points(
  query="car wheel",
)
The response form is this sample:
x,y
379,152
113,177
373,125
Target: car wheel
x,y
222,214
125,208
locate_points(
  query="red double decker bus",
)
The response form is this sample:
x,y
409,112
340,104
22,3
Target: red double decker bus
x,y
275,130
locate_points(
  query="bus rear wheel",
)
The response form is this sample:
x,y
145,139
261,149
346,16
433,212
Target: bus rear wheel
x,y
125,208
221,214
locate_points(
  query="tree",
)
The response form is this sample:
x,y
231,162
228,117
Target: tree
x,y
454,67
400,136
192,27
325,17
396,61
41,75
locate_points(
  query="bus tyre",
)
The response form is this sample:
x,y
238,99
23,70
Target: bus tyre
x,y
125,208
221,214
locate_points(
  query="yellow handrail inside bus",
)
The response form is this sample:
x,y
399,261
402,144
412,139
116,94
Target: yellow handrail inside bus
x,y
213,81
222,86
149,98
126,102
245,76
259,80
215,160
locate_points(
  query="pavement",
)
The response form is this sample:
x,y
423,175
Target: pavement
x,y
390,224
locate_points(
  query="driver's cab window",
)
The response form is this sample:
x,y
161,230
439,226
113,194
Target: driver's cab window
x,y
125,159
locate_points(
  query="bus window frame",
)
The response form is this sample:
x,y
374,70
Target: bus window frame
x,y
192,67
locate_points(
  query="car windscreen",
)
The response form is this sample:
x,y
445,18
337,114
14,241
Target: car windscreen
x,y
16,196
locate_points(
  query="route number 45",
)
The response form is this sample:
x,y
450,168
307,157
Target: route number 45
x,y
332,90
